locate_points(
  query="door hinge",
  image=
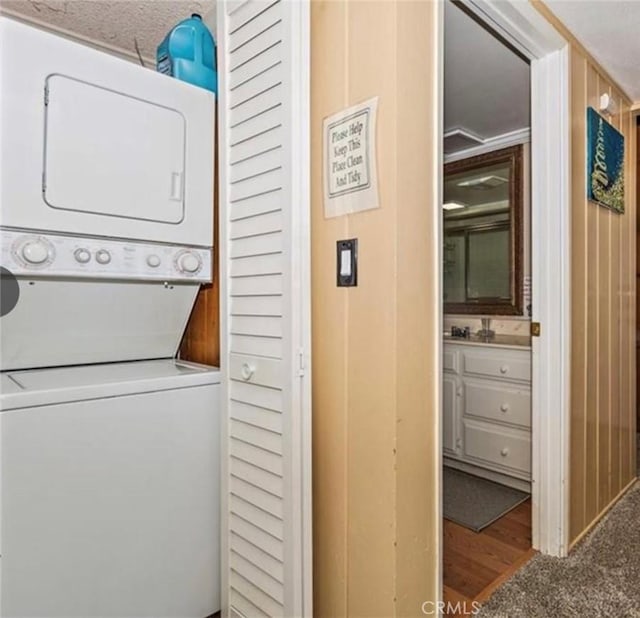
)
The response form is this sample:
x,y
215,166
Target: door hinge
x,y
535,329
301,367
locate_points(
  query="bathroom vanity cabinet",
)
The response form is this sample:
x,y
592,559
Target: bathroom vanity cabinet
x,y
487,411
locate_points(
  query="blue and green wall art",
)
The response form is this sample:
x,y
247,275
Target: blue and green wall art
x,y
605,163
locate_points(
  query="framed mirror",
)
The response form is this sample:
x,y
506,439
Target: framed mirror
x,y
483,248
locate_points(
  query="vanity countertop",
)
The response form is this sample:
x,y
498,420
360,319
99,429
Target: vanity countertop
x,y
497,341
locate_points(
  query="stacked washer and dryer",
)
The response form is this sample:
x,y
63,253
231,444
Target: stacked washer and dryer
x,y
109,445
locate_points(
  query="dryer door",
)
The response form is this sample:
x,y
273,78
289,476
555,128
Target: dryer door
x,y
112,154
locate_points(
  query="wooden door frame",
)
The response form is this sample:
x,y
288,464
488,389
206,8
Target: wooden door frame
x,y
522,26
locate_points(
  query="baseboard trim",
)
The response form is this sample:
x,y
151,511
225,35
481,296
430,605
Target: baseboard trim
x,y
604,511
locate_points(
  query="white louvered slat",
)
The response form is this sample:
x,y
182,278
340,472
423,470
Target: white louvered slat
x,y
249,532
260,417
260,558
267,398
257,25
261,519
248,223
271,285
257,476
261,162
261,458
258,436
257,305
268,60
256,325
255,596
269,347
264,201
257,143
262,579
248,127
257,265
258,497
243,608
258,184
264,89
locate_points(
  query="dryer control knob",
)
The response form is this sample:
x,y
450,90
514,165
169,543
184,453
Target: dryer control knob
x,y
103,256
189,263
82,255
35,251
153,260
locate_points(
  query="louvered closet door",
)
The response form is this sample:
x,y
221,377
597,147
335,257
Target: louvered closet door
x,y
263,50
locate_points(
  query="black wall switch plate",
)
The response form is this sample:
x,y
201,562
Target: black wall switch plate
x,y
347,263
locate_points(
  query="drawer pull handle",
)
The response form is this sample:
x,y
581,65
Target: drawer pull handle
x,y
504,369
247,371
504,452
504,407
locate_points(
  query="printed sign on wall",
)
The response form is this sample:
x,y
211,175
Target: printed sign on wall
x,y
605,163
349,160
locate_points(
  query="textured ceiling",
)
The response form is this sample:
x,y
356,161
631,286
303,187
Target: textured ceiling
x,y
486,85
113,23
609,30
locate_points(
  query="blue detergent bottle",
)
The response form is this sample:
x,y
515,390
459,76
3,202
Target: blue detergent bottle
x,y
188,53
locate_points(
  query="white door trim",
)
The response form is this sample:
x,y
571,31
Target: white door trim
x,y
533,36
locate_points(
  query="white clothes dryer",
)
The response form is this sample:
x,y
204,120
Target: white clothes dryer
x,y
96,145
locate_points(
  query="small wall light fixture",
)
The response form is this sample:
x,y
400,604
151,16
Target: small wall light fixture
x,y
608,105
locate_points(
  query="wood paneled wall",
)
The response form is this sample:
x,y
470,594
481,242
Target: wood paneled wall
x,y
375,346
201,340
603,375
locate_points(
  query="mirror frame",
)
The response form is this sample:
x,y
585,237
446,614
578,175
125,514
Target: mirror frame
x,y
514,306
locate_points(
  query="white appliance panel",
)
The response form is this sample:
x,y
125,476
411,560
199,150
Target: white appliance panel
x,y
32,253
70,322
110,507
115,177
111,154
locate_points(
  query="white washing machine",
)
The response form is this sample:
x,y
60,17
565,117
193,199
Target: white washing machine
x,y
95,145
110,491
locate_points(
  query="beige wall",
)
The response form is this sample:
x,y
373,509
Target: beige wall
x,y
375,354
603,390
603,318
376,347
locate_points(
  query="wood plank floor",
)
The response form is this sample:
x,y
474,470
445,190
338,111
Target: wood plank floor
x,y
476,563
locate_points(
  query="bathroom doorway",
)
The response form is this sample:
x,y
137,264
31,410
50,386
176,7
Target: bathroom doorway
x,y
504,456
486,295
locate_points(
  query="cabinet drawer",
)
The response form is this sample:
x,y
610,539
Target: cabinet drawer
x,y
449,360
498,402
500,447
507,365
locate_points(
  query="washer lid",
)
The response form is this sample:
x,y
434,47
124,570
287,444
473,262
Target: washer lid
x,y
37,387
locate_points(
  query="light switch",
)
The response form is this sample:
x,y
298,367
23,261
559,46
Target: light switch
x,y
347,262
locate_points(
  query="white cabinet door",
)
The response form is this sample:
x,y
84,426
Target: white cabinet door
x,y
264,275
450,414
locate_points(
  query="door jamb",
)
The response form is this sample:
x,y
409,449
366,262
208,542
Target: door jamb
x,y
532,35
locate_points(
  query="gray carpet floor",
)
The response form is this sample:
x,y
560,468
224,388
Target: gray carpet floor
x,y
600,578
